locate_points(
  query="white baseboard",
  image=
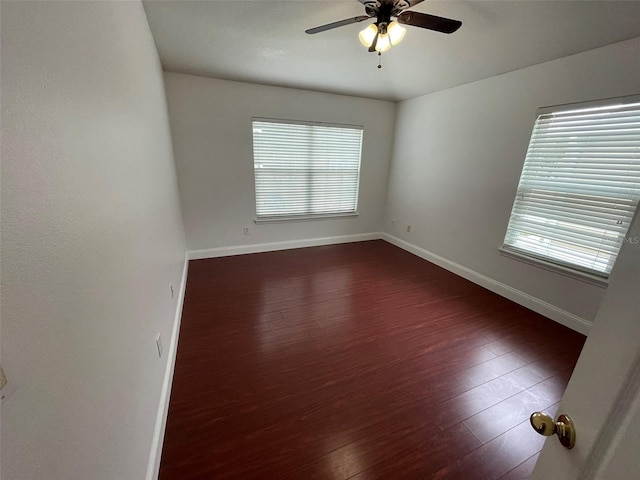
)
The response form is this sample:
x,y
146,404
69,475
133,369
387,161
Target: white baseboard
x,y
153,468
286,245
532,303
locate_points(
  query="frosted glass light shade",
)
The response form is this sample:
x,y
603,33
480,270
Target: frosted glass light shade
x,y
396,32
367,35
384,43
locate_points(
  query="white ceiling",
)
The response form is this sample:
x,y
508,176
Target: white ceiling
x,y
264,42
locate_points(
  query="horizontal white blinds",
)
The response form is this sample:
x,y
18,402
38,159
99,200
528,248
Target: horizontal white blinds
x,y
579,188
305,169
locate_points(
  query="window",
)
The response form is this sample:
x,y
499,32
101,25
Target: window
x,y
579,188
305,169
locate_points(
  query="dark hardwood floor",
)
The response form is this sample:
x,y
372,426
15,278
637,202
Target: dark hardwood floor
x,y
357,361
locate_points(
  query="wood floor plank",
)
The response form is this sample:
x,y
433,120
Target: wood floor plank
x,y
496,458
478,399
499,418
522,471
356,361
422,459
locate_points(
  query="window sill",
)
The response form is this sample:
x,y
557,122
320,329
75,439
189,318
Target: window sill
x,y
304,218
553,267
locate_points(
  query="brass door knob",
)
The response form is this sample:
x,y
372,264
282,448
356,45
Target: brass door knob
x,y
563,427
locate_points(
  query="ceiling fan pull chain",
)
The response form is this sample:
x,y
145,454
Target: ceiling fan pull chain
x,y
379,59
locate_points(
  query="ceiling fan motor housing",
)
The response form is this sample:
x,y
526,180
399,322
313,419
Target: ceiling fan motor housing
x,y
383,10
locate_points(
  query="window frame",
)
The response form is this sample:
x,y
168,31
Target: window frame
x,y
547,263
306,216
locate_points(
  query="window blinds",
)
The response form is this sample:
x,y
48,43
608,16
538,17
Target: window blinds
x,y
579,188
304,169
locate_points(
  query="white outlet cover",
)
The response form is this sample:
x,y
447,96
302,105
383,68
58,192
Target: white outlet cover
x,y
159,345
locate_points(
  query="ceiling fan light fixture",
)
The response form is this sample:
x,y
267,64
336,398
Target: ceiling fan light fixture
x,y
384,43
396,32
367,35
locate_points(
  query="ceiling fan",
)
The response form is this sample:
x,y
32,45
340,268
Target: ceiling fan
x,y
385,32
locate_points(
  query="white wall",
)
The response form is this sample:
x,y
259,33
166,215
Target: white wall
x,y
459,153
91,239
212,137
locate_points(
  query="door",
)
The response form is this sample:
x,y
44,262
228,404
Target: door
x,y
603,395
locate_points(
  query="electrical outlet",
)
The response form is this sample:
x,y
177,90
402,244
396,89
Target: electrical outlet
x,y
171,288
246,230
159,344
408,228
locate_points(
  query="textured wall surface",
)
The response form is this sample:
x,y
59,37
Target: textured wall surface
x,y
457,160
211,127
91,239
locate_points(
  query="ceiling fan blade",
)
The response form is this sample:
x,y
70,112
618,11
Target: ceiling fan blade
x,y
341,23
431,22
